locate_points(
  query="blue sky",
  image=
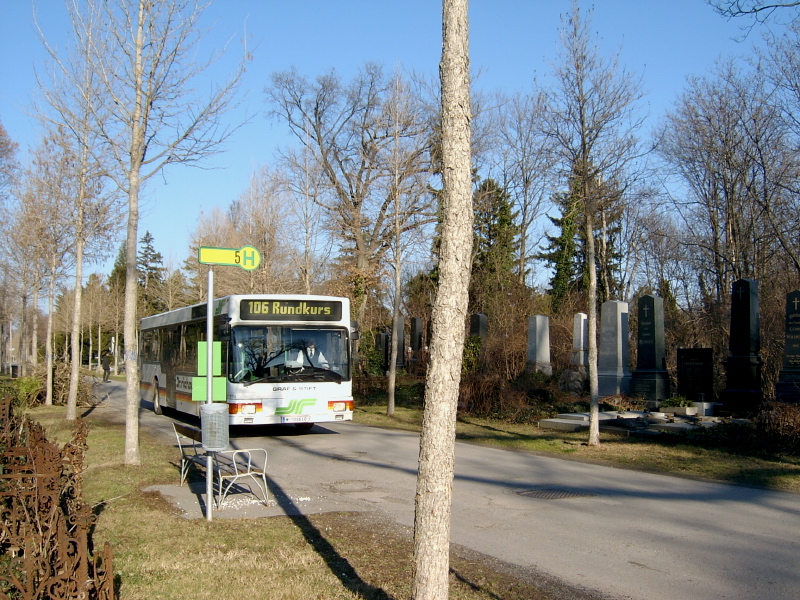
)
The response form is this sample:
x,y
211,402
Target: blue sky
x,y
511,42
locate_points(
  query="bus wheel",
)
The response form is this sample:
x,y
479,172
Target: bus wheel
x,y
303,426
156,401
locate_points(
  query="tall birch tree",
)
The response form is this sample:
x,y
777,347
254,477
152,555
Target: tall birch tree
x,y
433,502
75,104
145,57
51,184
592,122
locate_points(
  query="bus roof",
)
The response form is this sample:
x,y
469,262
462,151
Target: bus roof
x,y
225,304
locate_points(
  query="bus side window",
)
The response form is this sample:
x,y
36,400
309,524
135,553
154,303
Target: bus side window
x,y
147,345
155,349
169,350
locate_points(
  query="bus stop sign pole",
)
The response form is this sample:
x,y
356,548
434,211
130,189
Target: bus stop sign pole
x,y
248,258
209,387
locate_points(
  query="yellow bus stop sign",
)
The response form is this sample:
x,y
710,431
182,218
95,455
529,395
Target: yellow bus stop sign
x,y
246,257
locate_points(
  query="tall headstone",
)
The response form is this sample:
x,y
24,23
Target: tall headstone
x,y
478,326
613,373
650,379
382,344
788,387
696,374
742,392
580,337
416,334
574,378
539,345
401,343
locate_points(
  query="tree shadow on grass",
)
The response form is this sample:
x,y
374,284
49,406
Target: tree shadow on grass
x,y
338,565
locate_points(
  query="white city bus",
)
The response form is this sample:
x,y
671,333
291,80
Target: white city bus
x,y
285,358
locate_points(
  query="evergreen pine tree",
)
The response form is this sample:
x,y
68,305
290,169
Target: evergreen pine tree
x,y
563,251
150,265
566,254
496,244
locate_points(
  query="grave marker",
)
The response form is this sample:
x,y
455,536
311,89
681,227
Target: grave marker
x,y
613,374
743,392
650,379
539,345
696,374
788,387
580,337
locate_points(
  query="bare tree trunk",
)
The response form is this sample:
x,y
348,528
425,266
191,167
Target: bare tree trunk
x,y
397,335
48,349
433,502
594,407
22,346
132,455
76,352
136,152
35,325
91,343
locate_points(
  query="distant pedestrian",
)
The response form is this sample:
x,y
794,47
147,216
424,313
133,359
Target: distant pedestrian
x,y
105,362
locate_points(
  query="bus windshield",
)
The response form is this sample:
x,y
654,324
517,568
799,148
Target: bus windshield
x,y
274,353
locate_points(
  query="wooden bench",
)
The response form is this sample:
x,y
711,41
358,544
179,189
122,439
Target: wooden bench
x,y
230,466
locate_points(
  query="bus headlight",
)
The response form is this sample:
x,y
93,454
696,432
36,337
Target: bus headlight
x,y
340,405
244,408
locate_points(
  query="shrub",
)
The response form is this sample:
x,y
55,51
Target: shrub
x,y
779,425
775,431
472,355
31,390
626,403
27,391
677,401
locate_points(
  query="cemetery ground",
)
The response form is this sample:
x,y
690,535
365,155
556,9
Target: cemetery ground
x,y
160,554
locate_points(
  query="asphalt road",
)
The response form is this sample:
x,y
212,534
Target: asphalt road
x,y
622,533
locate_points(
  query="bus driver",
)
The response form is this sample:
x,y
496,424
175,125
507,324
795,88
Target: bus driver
x,y
314,356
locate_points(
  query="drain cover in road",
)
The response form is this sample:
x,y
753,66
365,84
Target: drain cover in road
x,y
553,494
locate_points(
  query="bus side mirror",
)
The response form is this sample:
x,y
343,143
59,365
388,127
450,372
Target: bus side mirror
x,y
224,332
355,334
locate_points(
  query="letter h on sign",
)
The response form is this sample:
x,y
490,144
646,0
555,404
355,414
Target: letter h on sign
x,y
248,258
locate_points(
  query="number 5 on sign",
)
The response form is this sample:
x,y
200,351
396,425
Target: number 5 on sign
x,y
247,257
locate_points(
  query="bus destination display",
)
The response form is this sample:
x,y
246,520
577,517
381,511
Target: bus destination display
x,y
290,310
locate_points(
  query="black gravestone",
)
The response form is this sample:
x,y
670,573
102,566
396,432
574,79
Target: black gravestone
x,y
650,380
743,392
788,387
401,343
696,374
478,326
416,334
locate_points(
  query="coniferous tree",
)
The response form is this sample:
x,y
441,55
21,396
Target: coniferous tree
x,y
566,252
150,265
116,278
563,250
495,245
149,262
